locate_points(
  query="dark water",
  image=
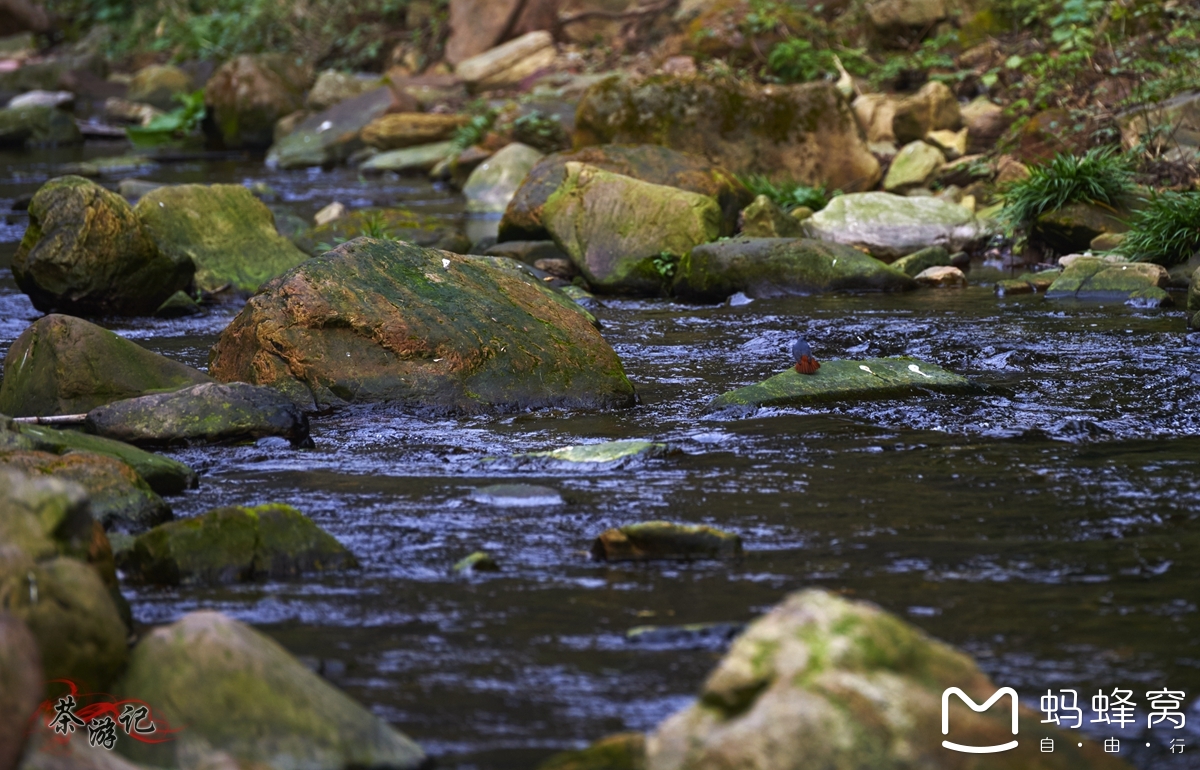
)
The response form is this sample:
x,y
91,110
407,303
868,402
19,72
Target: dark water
x,y
1048,526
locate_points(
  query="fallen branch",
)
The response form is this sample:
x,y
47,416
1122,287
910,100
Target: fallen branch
x,y
58,419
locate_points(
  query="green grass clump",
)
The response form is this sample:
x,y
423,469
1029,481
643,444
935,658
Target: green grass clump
x,y
1167,231
787,194
1098,176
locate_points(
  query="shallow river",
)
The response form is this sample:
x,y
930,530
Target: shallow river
x,y
1048,526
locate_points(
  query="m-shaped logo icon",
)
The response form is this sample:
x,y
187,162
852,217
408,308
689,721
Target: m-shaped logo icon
x,y
971,704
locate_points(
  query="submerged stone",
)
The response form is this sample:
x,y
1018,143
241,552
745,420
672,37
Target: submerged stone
x,y
65,365
517,495
780,267
387,321
207,413
252,701
234,544
222,229
1097,279
86,252
477,562
605,452
664,540
844,380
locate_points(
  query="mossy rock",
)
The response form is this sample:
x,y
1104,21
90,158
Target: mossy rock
x,y
843,380
226,232
605,452
397,224
919,261
208,413
421,158
117,496
159,85
331,136
806,133
614,227
914,166
765,219
65,365
38,126
647,162
85,252
821,681
654,540
386,321
889,226
623,751
234,544
1072,228
1097,279
164,475
43,517
236,691
79,630
780,267
248,94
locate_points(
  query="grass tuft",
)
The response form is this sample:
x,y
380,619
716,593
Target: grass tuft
x,y
788,194
1167,231
1101,175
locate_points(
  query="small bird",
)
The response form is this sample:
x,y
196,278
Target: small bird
x,y
805,363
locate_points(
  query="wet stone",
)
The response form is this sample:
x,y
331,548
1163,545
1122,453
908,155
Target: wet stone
x,y
846,380
517,495
607,452
479,561
654,540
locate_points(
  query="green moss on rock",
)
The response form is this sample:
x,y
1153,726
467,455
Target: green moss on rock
x,y
226,232
398,224
652,540
623,751
1097,279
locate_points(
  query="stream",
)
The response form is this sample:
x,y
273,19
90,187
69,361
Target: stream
x,y
1043,525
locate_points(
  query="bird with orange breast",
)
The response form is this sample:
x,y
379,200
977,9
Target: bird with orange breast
x,y
805,362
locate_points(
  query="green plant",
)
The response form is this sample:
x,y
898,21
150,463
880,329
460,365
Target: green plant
x,y
1099,176
787,194
476,129
171,126
1166,231
796,60
665,264
543,132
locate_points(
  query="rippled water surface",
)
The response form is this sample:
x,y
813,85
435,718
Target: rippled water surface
x,y
1048,524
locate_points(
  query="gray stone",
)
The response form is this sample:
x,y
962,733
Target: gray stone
x,y
493,183
890,226
409,159
333,135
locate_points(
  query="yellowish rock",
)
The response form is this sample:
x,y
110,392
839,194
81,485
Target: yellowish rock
x,y
944,277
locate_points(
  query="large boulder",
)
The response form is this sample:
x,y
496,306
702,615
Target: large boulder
x,y
249,93
1097,279
226,232
806,133
615,227
86,252
159,85
208,413
65,365
79,631
387,321
332,135
118,498
479,25
492,184
234,544
891,226
21,686
821,681
781,267
845,380
241,694
406,129
647,162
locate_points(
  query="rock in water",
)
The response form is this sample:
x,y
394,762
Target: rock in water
x,y
780,267
604,453
210,412
234,544
652,540
623,751
1072,228
647,162
248,94
247,697
65,365
119,498
21,687
86,252
942,277
614,227
79,631
820,681
388,321
874,378
492,184
408,129
890,226
915,263
333,135
1093,278
227,233
806,133
38,125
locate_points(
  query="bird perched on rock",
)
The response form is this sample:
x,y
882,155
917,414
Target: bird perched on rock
x,y
805,363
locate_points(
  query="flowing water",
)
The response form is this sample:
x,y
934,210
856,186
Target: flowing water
x,y
1048,525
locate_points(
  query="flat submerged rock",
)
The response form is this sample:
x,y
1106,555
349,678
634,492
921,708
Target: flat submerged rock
x,y
846,380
